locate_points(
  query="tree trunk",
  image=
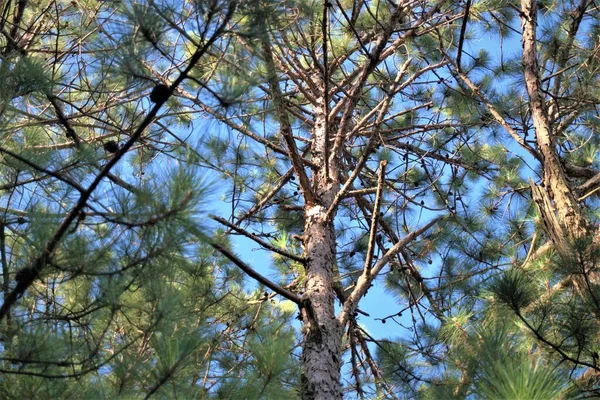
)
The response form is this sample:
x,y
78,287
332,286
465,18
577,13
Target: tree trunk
x,y
322,332
556,185
561,214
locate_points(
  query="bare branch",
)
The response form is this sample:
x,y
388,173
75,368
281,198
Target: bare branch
x,y
259,240
463,30
286,129
258,277
374,218
365,280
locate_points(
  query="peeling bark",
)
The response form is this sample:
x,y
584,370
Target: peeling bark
x,y
556,186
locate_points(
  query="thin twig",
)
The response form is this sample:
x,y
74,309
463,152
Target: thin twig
x,y
375,218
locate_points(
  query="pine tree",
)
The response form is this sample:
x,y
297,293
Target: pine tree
x,y
362,146
538,276
110,288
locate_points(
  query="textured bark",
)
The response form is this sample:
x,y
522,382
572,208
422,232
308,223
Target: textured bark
x,y
552,226
555,182
562,217
322,332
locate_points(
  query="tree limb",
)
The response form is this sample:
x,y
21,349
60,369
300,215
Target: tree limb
x,y
285,126
31,273
365,280
258,240
248,270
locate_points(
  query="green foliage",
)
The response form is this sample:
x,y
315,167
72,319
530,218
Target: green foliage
x,y
132,300
393,358
508,372
268,361
513,288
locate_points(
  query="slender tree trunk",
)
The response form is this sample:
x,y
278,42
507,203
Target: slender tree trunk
x,y
322,332
561,214
556,187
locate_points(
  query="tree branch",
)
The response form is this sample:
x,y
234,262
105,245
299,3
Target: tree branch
x,y
374,218
365,280
31,273
258,240
285,126
248,270
463,30
499,119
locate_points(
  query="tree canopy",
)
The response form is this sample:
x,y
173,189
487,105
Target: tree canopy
x,y
303,199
